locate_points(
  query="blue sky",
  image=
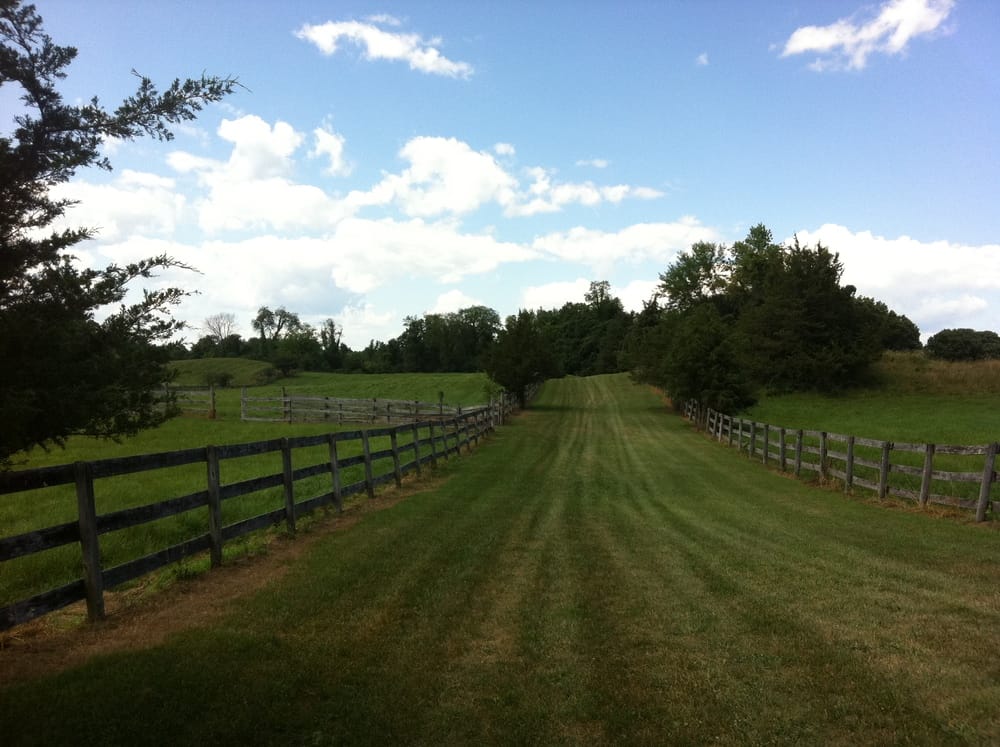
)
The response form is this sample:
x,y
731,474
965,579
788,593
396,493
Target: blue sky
x,y
390,159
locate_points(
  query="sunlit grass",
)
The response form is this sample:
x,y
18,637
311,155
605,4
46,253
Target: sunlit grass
x,y
600,574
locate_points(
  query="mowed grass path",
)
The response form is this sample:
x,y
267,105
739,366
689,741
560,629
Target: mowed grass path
x,y
595,574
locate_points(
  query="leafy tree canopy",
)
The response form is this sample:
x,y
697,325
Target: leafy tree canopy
x,y
64,372
760,316
964,345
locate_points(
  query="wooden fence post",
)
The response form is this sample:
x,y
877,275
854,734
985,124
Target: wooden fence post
x,y
753,439
434,451
883,471
338,497
397,473
984,488
823,448
798,452
925,481
211,405
369,480
416,443
93,579
782,450
286,468
214,505
286,405
849,467
767,443
243,403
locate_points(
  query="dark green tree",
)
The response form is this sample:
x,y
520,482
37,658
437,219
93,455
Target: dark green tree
x,y
65,372
963,345
759,316
521,356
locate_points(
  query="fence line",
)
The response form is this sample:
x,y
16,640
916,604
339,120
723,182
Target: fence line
x,y
310,409
903,470
442,438
194,400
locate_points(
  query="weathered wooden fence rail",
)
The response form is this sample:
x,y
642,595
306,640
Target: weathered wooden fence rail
x,y
911,471
195,400
310,409
428,441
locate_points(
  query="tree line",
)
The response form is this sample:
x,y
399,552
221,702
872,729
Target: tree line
x,y
577,339
726,323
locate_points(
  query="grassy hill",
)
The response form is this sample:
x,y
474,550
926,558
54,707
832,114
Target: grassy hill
x,y
917,399
202,371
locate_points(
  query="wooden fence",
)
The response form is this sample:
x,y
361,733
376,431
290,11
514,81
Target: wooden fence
x,y
312,409
195,400
429,441
960,476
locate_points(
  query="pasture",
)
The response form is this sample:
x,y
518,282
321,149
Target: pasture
x,y
597,573
25,512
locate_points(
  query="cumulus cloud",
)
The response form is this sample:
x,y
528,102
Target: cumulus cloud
x,y
702,59
134,202
504,149
554,295
935,283
367,254
658,242
546,196
330,145
597,163
452,301
253,189
362,323
445,175
847,44
378,44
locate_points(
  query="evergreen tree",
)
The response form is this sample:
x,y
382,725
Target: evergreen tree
x,y
64,372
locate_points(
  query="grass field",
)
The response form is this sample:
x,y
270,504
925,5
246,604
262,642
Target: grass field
x,y
199,371
597,573
920,400
24,512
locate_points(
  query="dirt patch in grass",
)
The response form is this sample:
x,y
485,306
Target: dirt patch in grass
x,y
145,615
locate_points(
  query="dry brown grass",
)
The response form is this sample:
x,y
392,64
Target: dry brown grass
x,y
915,373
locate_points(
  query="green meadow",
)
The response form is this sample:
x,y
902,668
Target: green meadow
x,y
25,512
597,573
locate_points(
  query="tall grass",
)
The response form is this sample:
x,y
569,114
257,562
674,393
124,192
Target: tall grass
x,y
918,400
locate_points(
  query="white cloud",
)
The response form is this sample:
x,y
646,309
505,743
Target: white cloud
x,y
635,295
384,19
362,323
597,163
845,44
452,301
135,202
379,44
545,196
367,254
259,150
504,149
330,144
445,176
554,295
702,59
658,242
937,284
252,189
